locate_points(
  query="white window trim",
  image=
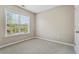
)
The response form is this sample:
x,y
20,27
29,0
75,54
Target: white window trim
x,y
20,33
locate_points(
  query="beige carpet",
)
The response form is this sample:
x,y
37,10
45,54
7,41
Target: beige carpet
x,y
37,46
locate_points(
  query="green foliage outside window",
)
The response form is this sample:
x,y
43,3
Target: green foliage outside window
x,y
16,23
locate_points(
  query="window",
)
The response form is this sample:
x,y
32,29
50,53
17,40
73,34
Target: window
x,y
17,23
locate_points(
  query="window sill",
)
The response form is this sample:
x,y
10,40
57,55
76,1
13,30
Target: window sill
x,y
17,34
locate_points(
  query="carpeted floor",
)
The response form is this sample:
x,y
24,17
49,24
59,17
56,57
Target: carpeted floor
x,y
37,46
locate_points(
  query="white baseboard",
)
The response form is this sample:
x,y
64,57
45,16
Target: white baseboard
x,y
68,44
2,46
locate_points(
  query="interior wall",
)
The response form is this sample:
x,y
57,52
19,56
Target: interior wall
x,y
6,40
56,24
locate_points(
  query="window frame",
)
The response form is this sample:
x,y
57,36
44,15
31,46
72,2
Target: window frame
x,y
19,13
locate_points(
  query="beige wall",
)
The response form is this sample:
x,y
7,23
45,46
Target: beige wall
x,y
56,24
5,40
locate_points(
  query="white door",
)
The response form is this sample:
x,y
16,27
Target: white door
x,y
77,29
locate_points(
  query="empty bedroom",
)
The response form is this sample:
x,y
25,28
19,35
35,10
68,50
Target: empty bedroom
x,y
37,29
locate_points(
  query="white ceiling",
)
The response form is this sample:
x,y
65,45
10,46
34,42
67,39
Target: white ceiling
x,y
39,8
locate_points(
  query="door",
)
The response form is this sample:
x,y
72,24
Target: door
x,y
77,29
